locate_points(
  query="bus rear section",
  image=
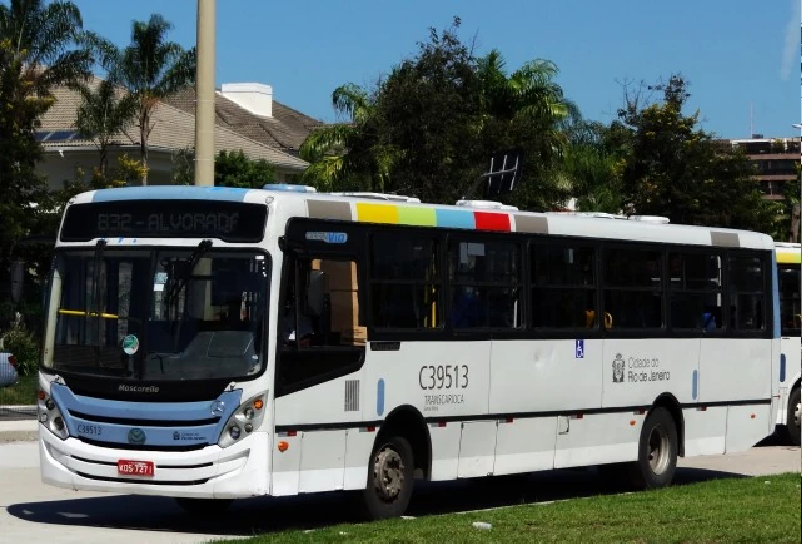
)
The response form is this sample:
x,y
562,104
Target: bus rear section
x,y
789,278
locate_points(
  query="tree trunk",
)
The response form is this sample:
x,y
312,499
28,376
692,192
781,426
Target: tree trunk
x,y
104,150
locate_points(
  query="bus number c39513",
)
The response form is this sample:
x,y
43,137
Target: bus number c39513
x,y
443,377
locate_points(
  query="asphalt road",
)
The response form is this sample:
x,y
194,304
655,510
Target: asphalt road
x,y
33,512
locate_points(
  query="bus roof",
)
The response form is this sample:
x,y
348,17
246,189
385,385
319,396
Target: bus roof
x,y
471,215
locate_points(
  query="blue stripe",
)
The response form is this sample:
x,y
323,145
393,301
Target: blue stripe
x,y
380,397
775,295
171,192
181,413
455,219
782,367
695,384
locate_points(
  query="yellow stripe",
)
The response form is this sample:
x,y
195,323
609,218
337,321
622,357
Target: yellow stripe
x,y
789,257
92,314
377,213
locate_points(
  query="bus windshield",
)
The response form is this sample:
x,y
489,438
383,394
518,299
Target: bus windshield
x,y
154,315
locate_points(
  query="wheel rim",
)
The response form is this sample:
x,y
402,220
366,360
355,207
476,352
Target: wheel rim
x,y
796,415
388,474
659,449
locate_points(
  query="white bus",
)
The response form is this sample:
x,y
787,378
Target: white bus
x,y
210,344
788,271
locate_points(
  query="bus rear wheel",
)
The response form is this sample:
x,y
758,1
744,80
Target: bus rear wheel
x,y
792,419
657,451
390,478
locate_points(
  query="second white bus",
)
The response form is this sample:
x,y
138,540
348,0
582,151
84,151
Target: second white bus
x,y
789,278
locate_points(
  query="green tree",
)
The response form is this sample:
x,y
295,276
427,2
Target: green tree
x,y
334,152
151,68
589,166
105,112
674,169
234,169
429,127
231,169
789,207
38,50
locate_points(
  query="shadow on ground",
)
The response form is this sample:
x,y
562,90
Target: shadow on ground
x,y
264,515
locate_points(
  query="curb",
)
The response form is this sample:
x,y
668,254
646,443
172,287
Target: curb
x,y
18,436
26,430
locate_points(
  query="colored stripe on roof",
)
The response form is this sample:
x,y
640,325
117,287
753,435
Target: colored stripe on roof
x,y
432,217
170,192
789,257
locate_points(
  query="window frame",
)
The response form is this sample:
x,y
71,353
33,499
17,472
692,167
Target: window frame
x,y
437,241
564,242
621,245
710,251
519,283
766,331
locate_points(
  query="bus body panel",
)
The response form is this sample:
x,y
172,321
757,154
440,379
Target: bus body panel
x,y
638,371
788,257
792,353
705,430
546,375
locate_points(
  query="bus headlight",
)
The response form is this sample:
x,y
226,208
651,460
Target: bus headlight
x,y
243,422
50,416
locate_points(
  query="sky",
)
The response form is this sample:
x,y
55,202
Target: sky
x,y
741,57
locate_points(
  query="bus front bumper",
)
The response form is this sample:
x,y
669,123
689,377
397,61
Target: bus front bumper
x,y
238,471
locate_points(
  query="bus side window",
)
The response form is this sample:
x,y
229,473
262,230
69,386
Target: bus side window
x,y
747,311
328,307
320,333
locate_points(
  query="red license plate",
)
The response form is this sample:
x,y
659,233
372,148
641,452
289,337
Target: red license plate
x,y
134,468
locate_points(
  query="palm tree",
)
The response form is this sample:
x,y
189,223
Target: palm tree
x,y
40,38
150,68
527,108
104,114
326,148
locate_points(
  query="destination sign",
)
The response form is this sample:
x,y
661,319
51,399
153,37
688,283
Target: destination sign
x,y
227,221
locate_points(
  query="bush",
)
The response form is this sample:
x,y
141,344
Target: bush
x,y
25,348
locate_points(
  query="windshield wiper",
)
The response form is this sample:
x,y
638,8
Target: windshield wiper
x,y
172,298
191,261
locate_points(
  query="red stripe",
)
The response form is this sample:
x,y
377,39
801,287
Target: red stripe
x,y
492,221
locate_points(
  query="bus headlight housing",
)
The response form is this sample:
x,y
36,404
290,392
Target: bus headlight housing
x,y
243,422
50,416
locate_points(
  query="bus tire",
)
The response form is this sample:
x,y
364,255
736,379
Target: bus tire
x,y
203,507
792,417
657,451
390,478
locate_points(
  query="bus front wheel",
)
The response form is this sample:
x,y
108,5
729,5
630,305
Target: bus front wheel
x,y
390,478
657,451
792,423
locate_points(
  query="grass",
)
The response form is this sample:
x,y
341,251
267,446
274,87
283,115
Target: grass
x,y
22,393
759,509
